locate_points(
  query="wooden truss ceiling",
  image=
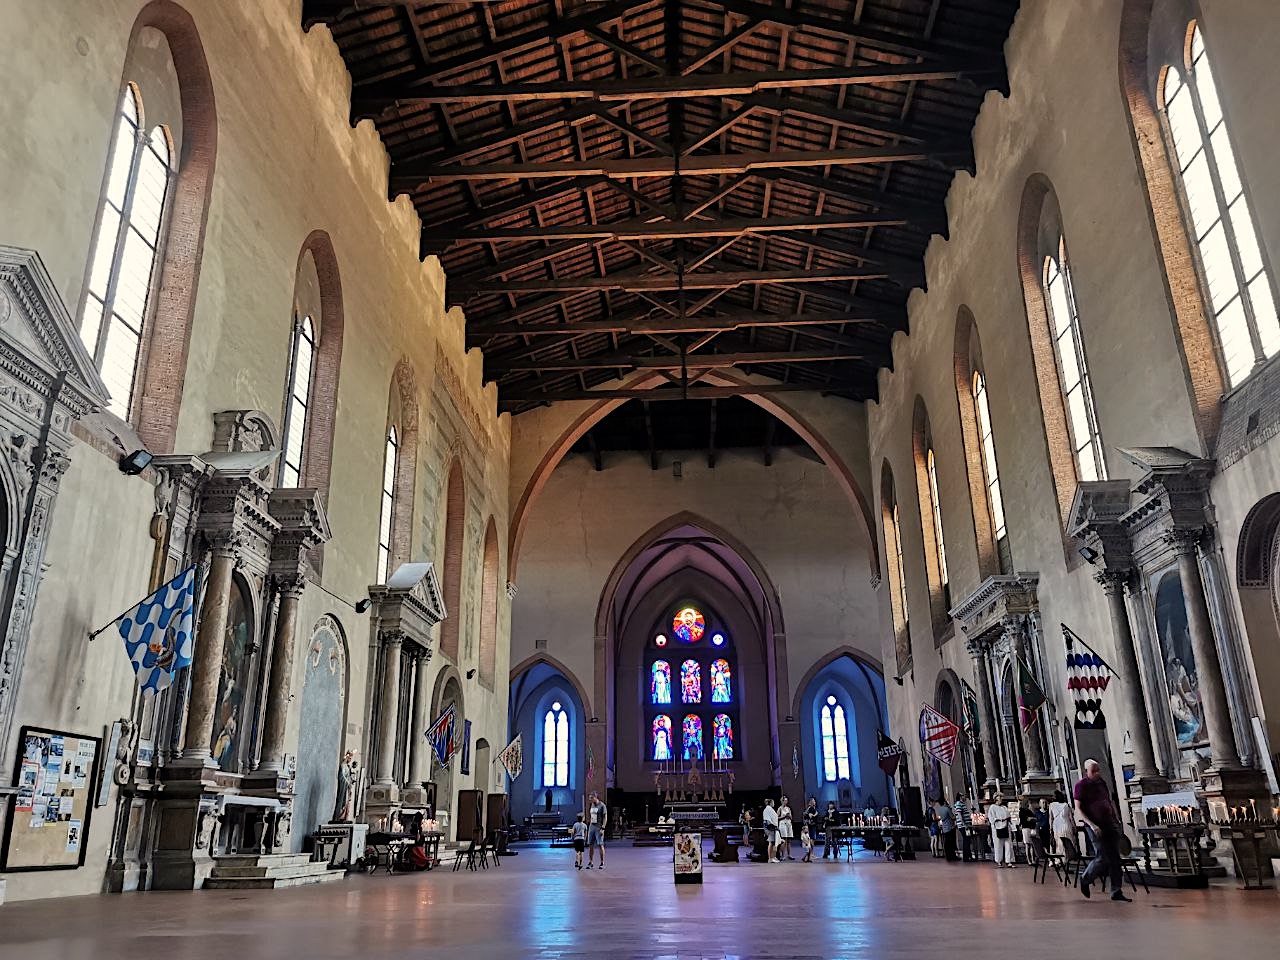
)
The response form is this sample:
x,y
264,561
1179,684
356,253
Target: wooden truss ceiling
x,y
675,186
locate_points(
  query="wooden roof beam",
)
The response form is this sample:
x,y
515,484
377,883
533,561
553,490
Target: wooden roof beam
x,y
645,323
663,281
658,394
702,361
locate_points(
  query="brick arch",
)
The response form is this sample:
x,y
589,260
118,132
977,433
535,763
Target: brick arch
x,y
967,358
402,411
1031,258
454,532
165,363
921,441
318,455
1141,81
598,411
489,606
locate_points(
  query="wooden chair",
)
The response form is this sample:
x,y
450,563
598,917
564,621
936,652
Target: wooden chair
x,y
1044,859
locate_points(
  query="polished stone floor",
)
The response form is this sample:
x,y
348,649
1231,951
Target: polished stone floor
x,y
537,906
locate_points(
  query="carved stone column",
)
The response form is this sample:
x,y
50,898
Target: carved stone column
x,y
1213,693
281,677
986,712
419,750
389,723
1032,746
1132,703
207,664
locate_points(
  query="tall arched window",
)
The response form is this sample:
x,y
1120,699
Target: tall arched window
x,y
932,467
390,463
555,747
891,527
298,404
1235,275
125,249
935,549
1073,372
990,473
454,528
835,741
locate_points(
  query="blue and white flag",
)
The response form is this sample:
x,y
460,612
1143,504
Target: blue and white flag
x,y
159,632
443,735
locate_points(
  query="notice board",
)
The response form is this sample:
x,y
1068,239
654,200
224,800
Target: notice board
x,y
56,778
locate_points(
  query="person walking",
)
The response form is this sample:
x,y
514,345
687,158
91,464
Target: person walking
x,y
1094,806
1062,821
964,823
832,819
786,830
770,820
579,841
597,818
1001,836
946,828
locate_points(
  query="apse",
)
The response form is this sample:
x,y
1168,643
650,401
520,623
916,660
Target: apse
x,y
547,712
842,709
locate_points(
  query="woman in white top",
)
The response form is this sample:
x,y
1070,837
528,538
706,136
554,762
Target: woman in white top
x,y
1001,832
1062,821
785,830
770,821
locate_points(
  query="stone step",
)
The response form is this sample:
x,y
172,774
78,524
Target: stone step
x,y
248,871
272,883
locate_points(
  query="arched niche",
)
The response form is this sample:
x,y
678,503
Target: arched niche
x,y
448,690
1258,586
535,687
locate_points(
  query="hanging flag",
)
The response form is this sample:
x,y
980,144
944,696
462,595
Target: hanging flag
x,y
442,734
888,752
938,735
1087,678
591,763
512,757
1030,697
795,759
159,633
969,706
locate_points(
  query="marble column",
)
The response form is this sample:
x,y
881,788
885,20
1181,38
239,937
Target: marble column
x,y
419,749
206,669
390,721
1213,692
281,677
1032,747
986,712
1133,707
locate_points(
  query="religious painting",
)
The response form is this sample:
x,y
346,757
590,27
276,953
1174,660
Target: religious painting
x,y
722,737
660,682
691,681
692,737
236,662
689,625
662,737
1181,680
721,681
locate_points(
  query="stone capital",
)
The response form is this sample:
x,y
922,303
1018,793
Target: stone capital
x,y
1113,581
1186,540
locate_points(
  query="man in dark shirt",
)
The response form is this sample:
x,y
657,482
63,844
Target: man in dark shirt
x,y
1093,804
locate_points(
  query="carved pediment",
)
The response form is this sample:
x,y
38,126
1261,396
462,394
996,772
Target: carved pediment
x,y
39,340
997,597
411,602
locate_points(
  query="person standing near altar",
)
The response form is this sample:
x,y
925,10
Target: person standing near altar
x,y
770,821
786,830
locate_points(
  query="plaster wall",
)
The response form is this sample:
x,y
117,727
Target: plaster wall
x,y
288,163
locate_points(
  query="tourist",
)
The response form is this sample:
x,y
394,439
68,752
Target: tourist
x,y
964,823
935,836
1062,821
785,830
809,828
1001,838
770,819
1044,828
832,819
946,828
597,817
1028,827
579,841
1094,806
745,820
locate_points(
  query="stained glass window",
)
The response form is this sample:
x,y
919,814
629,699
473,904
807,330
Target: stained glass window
x,y
835,742
1221,223
721,681
660,682
693,737
722,737
662,737
691,681
689,625
555,747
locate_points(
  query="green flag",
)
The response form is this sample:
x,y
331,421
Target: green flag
x,y
1030,696
969,704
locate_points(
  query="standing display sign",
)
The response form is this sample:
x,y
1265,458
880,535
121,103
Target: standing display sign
x,y
56,777
688,857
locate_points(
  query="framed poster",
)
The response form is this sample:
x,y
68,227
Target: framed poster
x,y
49,821
1177,660
688,857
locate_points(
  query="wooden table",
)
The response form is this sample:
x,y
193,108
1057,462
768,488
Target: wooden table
x,y
843,836
1181,845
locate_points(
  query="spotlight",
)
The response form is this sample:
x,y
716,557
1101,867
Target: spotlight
x,y
471,673
132,464
362,605
1090,555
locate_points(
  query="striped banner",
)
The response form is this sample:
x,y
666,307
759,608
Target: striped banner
x,y
938,735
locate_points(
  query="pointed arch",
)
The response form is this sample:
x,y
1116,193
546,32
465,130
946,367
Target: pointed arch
x,y
527,664
978,437
454,531
489,606
318,439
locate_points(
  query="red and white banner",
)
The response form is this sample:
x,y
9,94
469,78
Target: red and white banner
x,y
938,735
